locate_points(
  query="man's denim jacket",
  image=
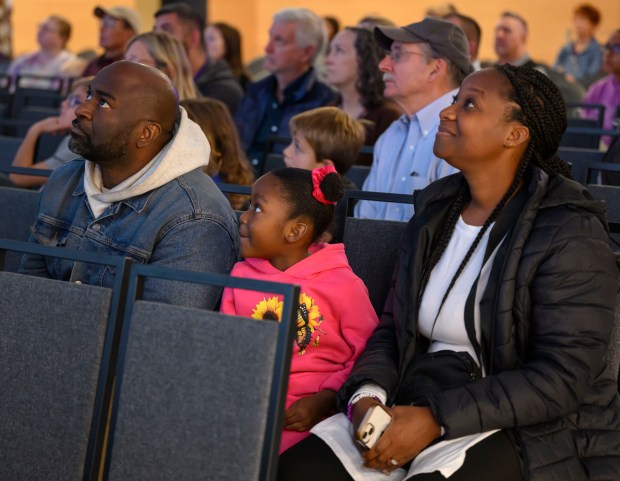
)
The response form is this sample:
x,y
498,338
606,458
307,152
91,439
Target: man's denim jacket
x,y
185,224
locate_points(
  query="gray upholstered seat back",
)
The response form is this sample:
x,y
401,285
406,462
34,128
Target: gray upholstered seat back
x,y
194,395
51,341
613,358
9,147
18,208
372,249
611,195
579,158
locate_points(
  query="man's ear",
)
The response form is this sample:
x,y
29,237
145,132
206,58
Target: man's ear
x,y
307,54
296,230
439,66
149,131
518,135
326,162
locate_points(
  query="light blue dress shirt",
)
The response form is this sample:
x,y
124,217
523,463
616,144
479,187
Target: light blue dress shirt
x,y
404,161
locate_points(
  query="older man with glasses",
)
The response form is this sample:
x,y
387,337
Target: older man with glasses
x,y
422,70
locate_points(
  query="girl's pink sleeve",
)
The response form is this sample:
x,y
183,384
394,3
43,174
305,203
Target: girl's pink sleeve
x,y
357,322
227,306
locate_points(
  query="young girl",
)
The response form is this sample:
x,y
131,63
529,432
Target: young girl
x,y
290,209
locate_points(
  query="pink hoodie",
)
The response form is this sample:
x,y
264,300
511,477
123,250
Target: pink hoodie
x,y
335,319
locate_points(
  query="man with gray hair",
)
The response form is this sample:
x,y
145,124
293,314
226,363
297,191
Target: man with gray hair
x,y
422,70
296,38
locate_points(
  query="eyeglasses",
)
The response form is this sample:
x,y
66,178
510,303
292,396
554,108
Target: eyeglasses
x,y
110,22
612,47
45,27
398,55
74,100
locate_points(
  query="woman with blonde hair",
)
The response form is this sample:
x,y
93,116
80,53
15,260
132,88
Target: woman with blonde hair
x,y
164,52
228,163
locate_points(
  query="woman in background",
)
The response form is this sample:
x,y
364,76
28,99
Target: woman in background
x,y
228,163
223,41
164,52
351,67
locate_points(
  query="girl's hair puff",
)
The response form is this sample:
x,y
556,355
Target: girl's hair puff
x,y
297,188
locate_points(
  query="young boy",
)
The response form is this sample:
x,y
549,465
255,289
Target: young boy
x,y
325,136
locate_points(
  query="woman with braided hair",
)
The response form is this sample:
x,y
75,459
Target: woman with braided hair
x,y
505,274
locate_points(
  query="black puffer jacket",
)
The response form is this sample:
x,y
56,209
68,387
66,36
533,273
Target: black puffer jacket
x,y
545,328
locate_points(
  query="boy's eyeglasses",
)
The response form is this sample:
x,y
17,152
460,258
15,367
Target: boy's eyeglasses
x,y
74,100
612,47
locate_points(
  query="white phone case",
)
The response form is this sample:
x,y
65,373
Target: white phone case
x,y
373,425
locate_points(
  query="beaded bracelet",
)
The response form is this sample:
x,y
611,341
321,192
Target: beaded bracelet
x,y
355,399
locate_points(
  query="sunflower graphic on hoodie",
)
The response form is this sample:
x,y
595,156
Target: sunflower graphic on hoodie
x,y
309,318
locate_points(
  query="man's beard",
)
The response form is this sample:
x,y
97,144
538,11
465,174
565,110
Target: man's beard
x,y
109,151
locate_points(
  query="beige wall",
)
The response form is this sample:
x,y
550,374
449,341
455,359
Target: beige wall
x,y
549,20
27,14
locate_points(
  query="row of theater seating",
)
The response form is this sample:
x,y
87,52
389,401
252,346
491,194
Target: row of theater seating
x,y
193,389
586,133
22,103
18,209
586,165
95,380
24,100
188,394
582,136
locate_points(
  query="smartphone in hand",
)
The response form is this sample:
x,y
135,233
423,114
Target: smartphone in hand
x,y
375,422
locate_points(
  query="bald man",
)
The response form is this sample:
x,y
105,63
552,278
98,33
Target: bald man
x,y
138,190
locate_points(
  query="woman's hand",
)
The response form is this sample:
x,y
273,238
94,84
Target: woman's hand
x,y
412,429
308,411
